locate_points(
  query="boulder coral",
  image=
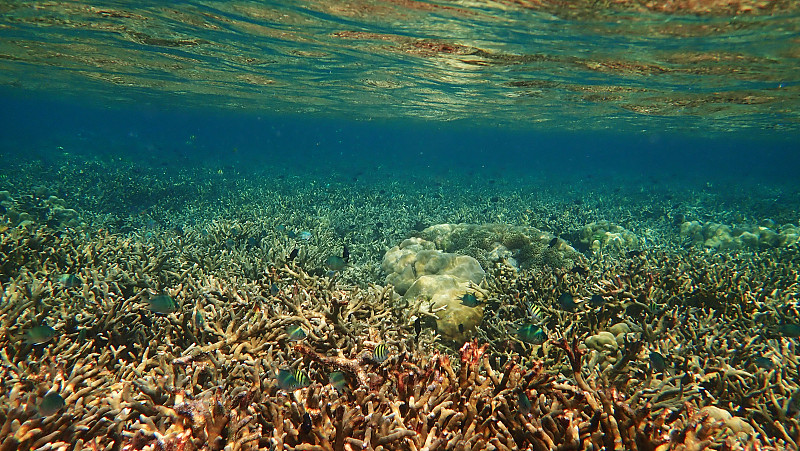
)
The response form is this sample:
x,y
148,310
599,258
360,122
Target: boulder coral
x,y
518,246
724,237
607,237
438,280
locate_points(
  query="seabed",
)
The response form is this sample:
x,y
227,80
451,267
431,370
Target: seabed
x,y
190,322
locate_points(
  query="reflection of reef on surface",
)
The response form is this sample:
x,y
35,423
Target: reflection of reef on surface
x,y
122,53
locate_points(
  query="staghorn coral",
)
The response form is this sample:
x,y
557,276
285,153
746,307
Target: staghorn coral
x,y
204,376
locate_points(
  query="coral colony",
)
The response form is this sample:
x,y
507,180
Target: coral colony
x,y
479,337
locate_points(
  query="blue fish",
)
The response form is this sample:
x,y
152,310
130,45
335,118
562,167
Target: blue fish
x,y
524,403
469,300
657,362
567,302
531,333
597,300
51,403
296,333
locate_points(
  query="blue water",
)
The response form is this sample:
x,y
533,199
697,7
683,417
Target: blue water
x,y
647,152
554,95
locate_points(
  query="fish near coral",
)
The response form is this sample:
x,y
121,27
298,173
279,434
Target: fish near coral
x,y
292,379
335,263
597,300
531,333
50,404
69,280
657,362
380,353
295,333
39,334
338,380
524,403
162,304
567,302
470,300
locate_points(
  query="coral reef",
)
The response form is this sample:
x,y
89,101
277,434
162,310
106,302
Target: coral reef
x,y
436,281
723,237
205,375
518,246
606,236
88,363
441,297
415,257
39,208
724,326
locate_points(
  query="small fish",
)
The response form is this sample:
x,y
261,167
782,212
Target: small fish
x,y
69,280
536,313
338,380
597,300
305,236
293,254
199,322
292,379
417,326
531,333
162,304
790,330
524,403
470,300
553,243
635,253
460,328
567,302
764,362
39,334
51,403
380,353
345,253
335,263
306,425
295,333
657,362
291,234
273,289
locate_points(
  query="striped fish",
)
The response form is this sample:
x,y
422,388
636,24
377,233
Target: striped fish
x,y
292,379
296,333
380,353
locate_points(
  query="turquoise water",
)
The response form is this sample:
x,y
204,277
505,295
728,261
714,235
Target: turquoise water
x,y
541,65
252,164
579,101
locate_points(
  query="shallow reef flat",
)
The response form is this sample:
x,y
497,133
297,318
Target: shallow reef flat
x,y
173,326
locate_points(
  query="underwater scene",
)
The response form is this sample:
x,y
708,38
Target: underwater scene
x,y
400,225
